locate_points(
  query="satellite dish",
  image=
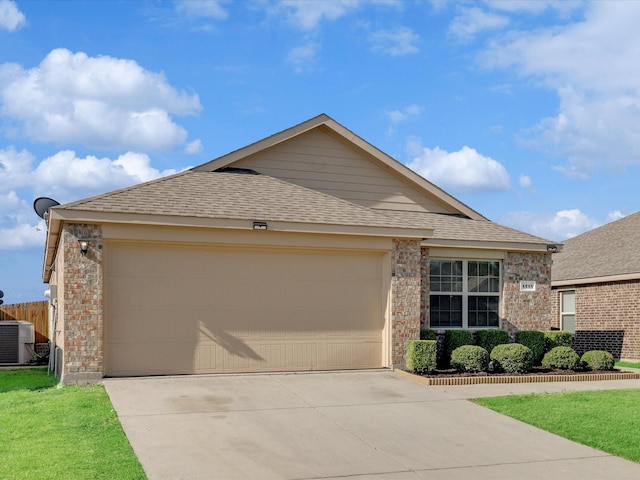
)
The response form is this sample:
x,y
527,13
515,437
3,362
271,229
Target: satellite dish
x,y
42,205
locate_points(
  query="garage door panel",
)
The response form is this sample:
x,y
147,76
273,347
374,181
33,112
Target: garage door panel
x,y
197,310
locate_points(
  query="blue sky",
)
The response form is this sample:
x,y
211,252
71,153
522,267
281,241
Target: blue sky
x,y
527,111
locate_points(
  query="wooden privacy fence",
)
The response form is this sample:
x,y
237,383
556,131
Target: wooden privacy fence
x,y
34,312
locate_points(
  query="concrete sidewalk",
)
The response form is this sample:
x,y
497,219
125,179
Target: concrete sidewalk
x,y
362,425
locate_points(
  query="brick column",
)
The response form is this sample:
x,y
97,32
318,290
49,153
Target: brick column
x,y
405,293
83,307
526,310
425,299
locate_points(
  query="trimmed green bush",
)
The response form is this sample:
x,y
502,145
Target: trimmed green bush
x,y
421,356
428,334
557,338
512,358
470,358
454,339
598,360
488,339
564,358
535,340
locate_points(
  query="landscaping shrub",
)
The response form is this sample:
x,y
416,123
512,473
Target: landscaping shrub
x,y
598,360
512,358
564,358
428,334
470,358
421,356
454,339
488,339
557,338
535,340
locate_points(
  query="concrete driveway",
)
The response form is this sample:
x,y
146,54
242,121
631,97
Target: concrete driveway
x,y
361,425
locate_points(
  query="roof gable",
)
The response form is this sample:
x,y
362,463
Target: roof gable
x,y
606,253
323,155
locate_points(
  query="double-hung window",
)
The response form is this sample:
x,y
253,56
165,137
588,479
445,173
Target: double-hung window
x,y
464,293
568,310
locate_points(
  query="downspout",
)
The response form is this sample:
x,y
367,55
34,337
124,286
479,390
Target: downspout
x,y
53,303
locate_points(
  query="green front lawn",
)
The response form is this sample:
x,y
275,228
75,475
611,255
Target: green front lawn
x,y
606,420
628,364
52,432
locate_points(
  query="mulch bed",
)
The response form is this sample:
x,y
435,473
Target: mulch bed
x,y
538,374
452,372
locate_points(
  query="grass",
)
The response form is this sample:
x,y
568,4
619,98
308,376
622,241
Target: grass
x,y
606,420
52,432
628,364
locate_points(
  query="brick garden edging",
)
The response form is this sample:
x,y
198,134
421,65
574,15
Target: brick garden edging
x,y
501,379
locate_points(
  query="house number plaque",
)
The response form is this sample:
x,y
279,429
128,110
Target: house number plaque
x,y
527,285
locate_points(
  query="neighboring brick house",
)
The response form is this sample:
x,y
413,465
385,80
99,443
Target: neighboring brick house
x,y
596,288
308,250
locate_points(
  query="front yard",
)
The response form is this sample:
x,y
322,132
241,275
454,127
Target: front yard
x,y
606,420
53,432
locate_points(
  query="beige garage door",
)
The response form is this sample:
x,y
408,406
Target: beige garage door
x,y
174,310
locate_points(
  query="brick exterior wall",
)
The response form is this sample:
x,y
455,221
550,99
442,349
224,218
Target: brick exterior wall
x,y
519,310
526,310
607,318
405,297
425,304
554,304
82,345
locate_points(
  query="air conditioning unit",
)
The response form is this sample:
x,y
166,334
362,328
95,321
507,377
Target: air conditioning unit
x,y
17,339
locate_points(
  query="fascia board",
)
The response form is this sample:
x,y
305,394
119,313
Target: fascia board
x,y
78,216
506,246
604,279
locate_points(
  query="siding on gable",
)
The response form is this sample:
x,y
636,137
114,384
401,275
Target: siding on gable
x,y
320,161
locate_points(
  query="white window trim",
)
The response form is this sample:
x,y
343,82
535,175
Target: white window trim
x,y
560,305
465,293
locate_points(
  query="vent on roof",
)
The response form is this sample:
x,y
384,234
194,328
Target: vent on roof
x,y
457,215
246,171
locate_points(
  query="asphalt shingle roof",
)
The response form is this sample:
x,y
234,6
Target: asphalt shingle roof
x,y
236,196
449,227
609,250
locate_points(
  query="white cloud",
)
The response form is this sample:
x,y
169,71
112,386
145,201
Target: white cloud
x,y
303,58
15,168
23,235
592,66
615,215
19,225
472,21
535,6
202,8
193,147
399,42
11,18
556,226
525,181
308,15
99,102
464,171
64,174
64,177
400,115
